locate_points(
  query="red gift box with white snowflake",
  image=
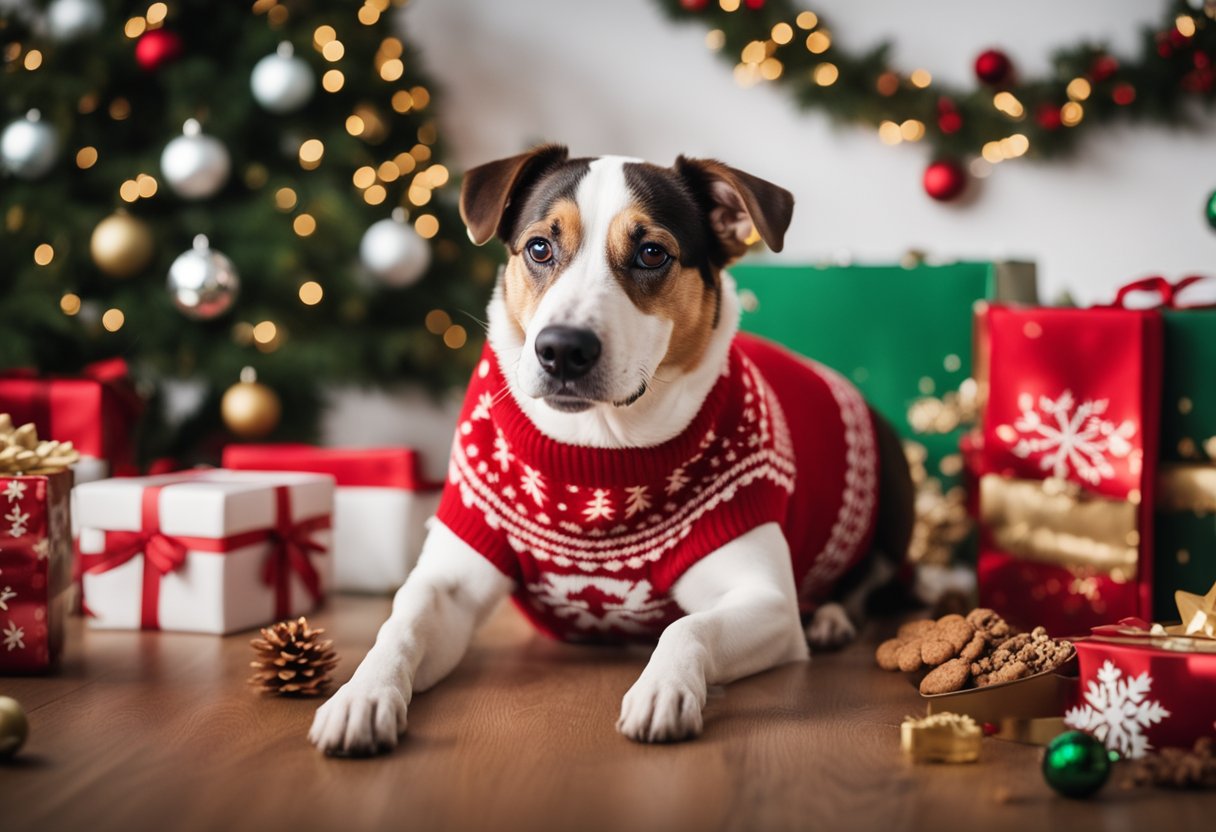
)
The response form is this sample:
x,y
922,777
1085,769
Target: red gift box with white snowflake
x,y
1069,462
35,569
1145,687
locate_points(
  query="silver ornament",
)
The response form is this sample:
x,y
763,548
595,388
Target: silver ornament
x,y
203,283
69,20
282,82
29,146
195,165
394,252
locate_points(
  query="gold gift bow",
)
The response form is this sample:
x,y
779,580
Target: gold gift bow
x,y
22,453
1057,522
1186,486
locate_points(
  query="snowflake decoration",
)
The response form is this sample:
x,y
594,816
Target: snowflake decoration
x,y
14,636
599,506
18,520
636,499
482,411
676,480
502,452
6,595
1118,710
1071,436
533,484
42,548
15,490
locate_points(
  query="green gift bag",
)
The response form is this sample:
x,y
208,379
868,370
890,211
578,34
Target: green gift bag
x,y
898,333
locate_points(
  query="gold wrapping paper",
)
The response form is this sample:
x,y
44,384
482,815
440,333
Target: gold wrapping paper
x,y
1184,486
1056,522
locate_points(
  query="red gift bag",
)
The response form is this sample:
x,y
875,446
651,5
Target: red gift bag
x,y
1069,456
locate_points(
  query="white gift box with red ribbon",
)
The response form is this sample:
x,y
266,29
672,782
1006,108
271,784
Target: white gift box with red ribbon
x,y
210,551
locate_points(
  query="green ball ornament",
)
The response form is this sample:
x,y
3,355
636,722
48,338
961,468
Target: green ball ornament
x,y
1075,764
14,727
1209,210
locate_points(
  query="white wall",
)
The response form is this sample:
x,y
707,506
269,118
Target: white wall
x,y
615,76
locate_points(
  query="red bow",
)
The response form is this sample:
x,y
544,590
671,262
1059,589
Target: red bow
x,y
1167,291
292,543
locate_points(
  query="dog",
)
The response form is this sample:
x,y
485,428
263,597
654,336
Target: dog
x,y
627,464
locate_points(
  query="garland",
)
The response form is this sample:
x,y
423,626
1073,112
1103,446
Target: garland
x,y
1002,117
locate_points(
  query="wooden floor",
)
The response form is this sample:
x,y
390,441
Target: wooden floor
x,y
143,731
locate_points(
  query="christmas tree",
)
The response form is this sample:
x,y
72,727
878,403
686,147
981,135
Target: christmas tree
x,y
155,156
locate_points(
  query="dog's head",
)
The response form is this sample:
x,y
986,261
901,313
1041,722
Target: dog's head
x,y
615,264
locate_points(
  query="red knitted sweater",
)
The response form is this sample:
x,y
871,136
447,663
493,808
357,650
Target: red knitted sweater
x,y
595,538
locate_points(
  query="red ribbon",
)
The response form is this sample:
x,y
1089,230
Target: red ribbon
x,y
382,467
291,544
1167,291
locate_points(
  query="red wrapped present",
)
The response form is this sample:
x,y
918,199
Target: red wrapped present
x,y
1068,465
96,412
35,569
381,505
1145,687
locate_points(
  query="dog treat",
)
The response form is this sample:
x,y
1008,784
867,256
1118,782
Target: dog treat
x,y
1179,768
941,738
979,649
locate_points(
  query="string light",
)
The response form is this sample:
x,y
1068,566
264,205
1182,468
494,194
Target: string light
x,y
265,332
129,190
285,199
146,185
715,39
920,78
375,195
277,15
420,152
818,42
69,304
437,321
770,69
388,172
33,59
311,151
1079,89
311,293
889,133
323,35
304,225
427,226
754,52
333,80
887,84
1185,24
807,20
134,27
391,48
392,69
455,336
826,74
405,162
418,195
242,333
333,51
157,13
120,109
113,319
368,15
44,254
1071,114
912,130
1008,104
782,33
354,125
421,97
402,101
86,157
729,5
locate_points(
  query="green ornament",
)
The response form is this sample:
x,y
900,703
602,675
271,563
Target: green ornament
x,y
1210,210
1075,764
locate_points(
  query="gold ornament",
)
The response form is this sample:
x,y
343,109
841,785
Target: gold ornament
x,y
14,727
22,454
942,522
121,245
250,409
292,660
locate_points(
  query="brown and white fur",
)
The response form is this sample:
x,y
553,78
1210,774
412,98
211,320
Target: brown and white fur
x,y
583,235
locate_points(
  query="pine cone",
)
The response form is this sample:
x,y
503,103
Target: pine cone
x,y
292,660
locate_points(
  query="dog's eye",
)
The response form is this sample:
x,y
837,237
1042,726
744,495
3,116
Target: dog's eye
x,y
539,250
651,256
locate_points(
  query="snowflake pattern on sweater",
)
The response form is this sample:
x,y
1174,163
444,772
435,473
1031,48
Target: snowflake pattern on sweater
x,y
595,538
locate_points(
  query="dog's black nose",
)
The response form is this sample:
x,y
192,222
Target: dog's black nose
x,y
566,352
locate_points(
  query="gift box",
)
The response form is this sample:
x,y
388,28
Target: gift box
x,y
96,411
899,333
1145,687
35,569
211,551
1069,461
381,505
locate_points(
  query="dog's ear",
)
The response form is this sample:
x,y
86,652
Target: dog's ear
x,y
736,202
487,191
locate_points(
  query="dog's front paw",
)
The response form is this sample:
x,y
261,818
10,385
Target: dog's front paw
x,y
360,719
830,628
661,710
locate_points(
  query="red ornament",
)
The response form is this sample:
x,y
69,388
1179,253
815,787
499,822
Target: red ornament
x,y
950,122
993,67
157,48
944,180
1123,94
754,4
1048,116
1103,67
694,5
